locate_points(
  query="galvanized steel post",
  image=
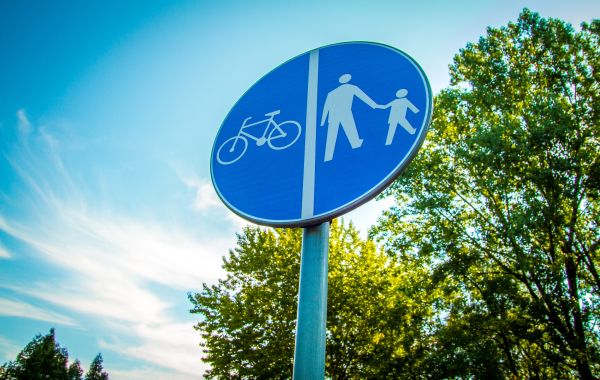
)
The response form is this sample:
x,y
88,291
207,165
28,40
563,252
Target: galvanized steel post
x,y
309,355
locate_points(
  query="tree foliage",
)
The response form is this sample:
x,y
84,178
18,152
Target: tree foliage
x,y
488,262
44,358
96,371
248,319
504,198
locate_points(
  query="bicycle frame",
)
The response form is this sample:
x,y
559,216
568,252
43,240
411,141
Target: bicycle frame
x,y
259,140
244,126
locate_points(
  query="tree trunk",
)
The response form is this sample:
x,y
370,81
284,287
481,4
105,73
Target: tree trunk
x,y
578,344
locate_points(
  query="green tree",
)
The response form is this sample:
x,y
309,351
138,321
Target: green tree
x,y
248,318
503,200
43,358
74,372
379,310
96,371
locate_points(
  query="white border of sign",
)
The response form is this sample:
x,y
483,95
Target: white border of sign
x,y
367,196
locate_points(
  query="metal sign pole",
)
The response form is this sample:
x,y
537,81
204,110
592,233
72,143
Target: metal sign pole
x,y
309,354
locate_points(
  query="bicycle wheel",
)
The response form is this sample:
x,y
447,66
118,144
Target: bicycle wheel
x,y
232,150
284,135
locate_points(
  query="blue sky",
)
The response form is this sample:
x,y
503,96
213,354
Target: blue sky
x,y
108,111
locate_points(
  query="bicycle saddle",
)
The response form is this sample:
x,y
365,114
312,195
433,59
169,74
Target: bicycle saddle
x,y
273,113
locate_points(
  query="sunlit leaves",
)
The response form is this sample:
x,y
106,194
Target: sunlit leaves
x,y
378,309
503,199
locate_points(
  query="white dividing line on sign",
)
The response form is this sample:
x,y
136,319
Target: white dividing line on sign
x,y
310,138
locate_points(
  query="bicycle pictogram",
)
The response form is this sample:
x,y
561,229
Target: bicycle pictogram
x,y
277,136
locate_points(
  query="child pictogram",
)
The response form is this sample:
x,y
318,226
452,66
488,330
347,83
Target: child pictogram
x,y
398,108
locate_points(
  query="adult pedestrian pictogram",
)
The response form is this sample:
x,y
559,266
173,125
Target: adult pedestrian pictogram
x,y
338,109
340,123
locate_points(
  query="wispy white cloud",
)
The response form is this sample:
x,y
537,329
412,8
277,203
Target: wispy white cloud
x,y
16,308
173,338
149,373
115,268
4,253
24,124
111,264
206,197
9,349
206,201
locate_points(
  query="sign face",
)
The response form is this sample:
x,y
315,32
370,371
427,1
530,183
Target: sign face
x,y
321,134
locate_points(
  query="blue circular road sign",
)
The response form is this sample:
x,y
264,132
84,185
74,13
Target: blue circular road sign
x,y
321,134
